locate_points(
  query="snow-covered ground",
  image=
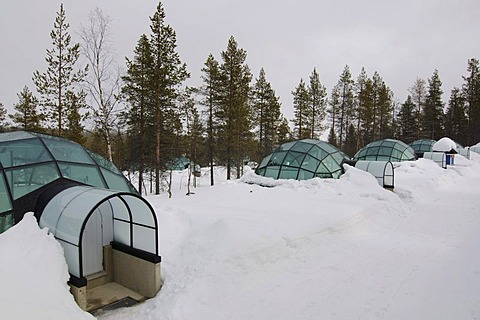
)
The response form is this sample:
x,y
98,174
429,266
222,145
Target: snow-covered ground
x,y
317,249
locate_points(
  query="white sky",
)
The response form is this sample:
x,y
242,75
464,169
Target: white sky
x,y
402,40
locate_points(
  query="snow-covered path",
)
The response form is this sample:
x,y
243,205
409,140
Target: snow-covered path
x,y
323,249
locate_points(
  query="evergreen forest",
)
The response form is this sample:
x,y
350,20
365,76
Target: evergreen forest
x,y
142,116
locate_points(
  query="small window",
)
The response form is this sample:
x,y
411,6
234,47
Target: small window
x,y
115,181
82,173
27,179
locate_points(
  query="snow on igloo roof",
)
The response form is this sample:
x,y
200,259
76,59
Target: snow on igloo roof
x,y
32,160
445,145
386,150
302,160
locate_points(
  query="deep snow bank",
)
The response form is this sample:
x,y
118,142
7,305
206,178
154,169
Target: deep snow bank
x,y
34,275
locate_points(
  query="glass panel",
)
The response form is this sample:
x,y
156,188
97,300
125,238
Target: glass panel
x,y
265,161
277,158
6,222
141,212
260,172
327,147
121,232
337,174
322,170
82,173
310,163
305,175
294,159
64,150
384,151
339,157
387,143
16,135
318,153
287,146
144,239
330,164
301,147
5,202
372,151
115,181
102,162
272,172
288,173
17,153
26,180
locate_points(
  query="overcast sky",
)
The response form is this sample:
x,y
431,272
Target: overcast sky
x,y
402,40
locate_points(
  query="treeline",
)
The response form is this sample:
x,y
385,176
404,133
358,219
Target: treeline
x,y
145,117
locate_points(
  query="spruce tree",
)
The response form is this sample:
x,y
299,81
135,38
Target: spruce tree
x,y
343,106
27,116
407,121
61,75
385,111
318,105
301,103
235,111
169,74
211,92
139,116
266,110
432,116
455,117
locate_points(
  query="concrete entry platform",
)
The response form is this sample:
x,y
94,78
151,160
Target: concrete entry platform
x,y
109,293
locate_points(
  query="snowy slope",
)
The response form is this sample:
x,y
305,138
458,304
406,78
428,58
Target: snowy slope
x,y
317,249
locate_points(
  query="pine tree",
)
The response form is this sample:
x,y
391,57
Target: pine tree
x,y
418,92
366,95
74,118
342,105
266,110
169,74
61,76
455,117
235,113
318,105
407,121
471,91
350,143
284,133
433,110
385,111
211,92
361,105
139,116
27,117
301,102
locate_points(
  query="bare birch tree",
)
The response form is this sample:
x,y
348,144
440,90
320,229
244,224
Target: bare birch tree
x,y
104,81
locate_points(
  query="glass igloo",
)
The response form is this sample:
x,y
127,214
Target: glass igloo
x,y
422,145
386,150
30,161
303,159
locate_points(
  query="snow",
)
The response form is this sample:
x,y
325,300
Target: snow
x,y
258,248
444,145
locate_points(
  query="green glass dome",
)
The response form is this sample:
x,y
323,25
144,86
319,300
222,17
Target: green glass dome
x,y
303,159
386,150
422,145
30,161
